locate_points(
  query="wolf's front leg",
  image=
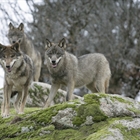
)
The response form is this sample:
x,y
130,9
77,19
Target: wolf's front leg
x,y
53,91
70,89
16,104
23,99
6,101
3,104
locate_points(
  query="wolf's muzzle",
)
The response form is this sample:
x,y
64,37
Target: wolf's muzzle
x,y
8,68
54,64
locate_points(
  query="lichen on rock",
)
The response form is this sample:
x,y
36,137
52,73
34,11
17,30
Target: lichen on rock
x,y
95,117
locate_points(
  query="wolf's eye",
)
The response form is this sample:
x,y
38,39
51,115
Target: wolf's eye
x,y
12,55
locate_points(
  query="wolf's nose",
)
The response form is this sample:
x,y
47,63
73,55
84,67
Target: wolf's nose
x,y
8,67
14,42
53,62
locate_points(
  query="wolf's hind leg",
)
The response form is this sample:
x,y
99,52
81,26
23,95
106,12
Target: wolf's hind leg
x,y
37,66
91,87
100,86
106,85
36,74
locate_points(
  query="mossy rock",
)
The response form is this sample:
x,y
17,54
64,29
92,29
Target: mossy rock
x,y
38,124
38,94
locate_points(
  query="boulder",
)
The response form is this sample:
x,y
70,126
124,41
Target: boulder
x,y
38,94
97,116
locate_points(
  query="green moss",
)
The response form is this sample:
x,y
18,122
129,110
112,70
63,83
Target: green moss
x,y
101,130
50,127
94,98
111,120
89,109
131,134
38,132
38,87
39,124
99,135
120,99
78,121
46,130
45,115
136,111
91,98
40,129
78,134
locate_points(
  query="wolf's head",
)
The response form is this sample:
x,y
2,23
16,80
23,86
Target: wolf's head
x,y
55,52
9,56
16,34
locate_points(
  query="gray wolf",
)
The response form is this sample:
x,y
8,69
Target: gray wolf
x,y
91,70
18,35
18,68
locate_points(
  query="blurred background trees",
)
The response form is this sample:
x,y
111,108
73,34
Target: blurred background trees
x,y
108,27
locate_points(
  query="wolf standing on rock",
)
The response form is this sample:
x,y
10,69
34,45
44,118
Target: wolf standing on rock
x,y
91,70
18,69
18,35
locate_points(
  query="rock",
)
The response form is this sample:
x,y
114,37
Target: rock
x,y
47,130
38,94
16,119
116,105
94,117
64,118
24,129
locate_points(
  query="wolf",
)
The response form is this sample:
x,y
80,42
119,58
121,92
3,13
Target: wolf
x,y
18,35
91,70
18,68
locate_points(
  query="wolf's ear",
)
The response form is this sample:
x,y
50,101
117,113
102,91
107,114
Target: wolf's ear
x,y
1,47
11,27
16,46
48,44
21,27
62,43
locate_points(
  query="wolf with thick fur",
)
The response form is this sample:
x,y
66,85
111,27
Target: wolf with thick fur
x,y
18,69
91,70
18,35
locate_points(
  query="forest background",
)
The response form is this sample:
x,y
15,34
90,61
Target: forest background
x,y
111,27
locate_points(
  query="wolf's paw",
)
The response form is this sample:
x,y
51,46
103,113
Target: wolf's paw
x,y
20,112
46,105
4,115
